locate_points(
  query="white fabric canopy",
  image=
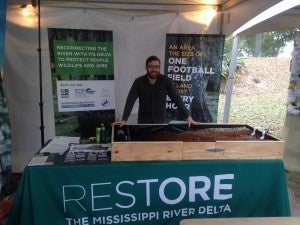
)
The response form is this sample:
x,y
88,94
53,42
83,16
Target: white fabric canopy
x,y
139,30
134,39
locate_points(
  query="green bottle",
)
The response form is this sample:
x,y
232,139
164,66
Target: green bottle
x,y
98,135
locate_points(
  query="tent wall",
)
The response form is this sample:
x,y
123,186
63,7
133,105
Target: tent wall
x,y
134,38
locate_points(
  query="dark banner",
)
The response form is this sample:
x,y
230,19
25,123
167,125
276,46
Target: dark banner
x,y
82,69
194,63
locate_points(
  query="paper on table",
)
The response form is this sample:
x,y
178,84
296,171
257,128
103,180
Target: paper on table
x,y
38,160
83,148
59,144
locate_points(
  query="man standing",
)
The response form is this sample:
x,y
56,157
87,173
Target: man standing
x,y
152,90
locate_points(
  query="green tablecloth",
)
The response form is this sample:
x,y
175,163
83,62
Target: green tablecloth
x,y
149,192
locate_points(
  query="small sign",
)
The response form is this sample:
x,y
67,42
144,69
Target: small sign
x,y
85,95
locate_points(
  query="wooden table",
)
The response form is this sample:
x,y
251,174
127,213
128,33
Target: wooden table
x,y
244,221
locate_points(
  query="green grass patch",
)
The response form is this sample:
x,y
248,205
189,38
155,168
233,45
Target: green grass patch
x,y
267,111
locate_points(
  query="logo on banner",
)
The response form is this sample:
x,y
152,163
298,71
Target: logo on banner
x,y
105,103
64,93
105,93
81,92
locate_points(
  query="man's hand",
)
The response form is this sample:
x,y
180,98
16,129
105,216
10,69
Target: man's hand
x,y
119,122
191,121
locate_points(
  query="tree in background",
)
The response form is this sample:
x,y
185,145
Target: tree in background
x,y
226,62
268,44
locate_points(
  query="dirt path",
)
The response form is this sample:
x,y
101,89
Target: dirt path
x,y
263,75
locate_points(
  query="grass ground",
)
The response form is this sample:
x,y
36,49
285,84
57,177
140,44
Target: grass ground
x,y
259,99
260,94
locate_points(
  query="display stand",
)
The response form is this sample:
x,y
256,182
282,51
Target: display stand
x,y
178,142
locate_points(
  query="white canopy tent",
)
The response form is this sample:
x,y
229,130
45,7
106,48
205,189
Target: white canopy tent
x,y
139,30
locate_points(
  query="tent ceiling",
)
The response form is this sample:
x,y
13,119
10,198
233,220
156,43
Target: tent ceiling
x,y
285,20
134,4
145,2
234,12
148,7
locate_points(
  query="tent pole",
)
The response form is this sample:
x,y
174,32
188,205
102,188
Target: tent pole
x,y
230,79
41,104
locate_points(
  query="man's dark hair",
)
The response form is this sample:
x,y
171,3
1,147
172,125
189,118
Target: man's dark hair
x,y
152,58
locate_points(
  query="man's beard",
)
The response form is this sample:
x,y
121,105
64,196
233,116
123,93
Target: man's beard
x,y
153,75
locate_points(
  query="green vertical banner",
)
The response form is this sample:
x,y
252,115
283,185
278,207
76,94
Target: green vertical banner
x,y
83,57
82,70
194,63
